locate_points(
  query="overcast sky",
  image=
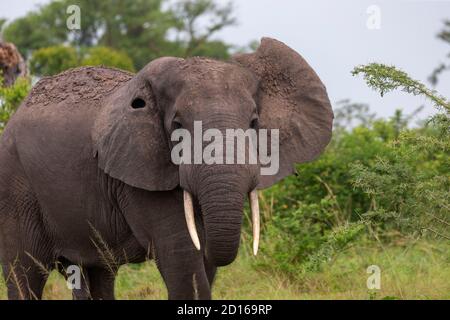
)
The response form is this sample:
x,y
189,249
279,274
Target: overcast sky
x,y
333,37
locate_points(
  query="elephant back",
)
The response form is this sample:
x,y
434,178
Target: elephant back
x,y
77,85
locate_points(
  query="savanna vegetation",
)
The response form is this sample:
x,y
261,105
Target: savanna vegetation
x,y
379,195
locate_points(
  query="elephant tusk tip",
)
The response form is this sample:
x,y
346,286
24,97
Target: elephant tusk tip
x,y
255,249
190,219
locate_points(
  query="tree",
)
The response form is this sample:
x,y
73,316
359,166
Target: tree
x,y
53,60
139,28
410,189
42,28
195,39
107,57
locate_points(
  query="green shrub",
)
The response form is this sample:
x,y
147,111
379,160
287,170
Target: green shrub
x,y
303,239
409,191
380,176
53,60
108,57
11,97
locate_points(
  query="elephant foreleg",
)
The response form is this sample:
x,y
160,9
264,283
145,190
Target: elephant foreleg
x,y
96,283
83,291
25,281
162,228
101,283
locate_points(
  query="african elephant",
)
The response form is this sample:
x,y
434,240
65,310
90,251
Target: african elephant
x,y
87,179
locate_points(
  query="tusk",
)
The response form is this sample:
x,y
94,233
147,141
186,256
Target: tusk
x,y
254,206
190,220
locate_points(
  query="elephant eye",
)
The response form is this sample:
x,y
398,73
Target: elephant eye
x,y
138,103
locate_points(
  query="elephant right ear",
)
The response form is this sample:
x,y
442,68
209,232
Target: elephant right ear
x,y
291,99
129,137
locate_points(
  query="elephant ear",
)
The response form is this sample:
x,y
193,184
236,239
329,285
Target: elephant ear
x,y
129,137
291,98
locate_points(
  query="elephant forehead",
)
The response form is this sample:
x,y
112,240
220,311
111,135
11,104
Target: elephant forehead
x,y
205,71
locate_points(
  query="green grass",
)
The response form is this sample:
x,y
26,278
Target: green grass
x,y
407,272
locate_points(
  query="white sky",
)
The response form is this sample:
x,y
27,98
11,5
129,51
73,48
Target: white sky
x,y
333,37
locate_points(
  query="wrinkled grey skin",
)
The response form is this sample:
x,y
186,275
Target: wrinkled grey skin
x,y
86,179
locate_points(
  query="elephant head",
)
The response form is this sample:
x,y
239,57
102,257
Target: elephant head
x,y
273,88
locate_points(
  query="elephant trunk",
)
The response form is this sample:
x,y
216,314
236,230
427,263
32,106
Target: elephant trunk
x,y
222,209
221,190
221,193
190,219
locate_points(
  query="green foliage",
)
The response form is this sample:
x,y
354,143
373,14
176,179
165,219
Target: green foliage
x,y
142,29
376,175
335,242
349,114
307,210
383,79
330,173
44,27
195,40
303,239
108,57
53,60
410,191
11,97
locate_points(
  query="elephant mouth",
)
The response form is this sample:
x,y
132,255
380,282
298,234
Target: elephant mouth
x,y
190,219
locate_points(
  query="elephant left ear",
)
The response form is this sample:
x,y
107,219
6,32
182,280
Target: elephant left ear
x,y
292,99
129,137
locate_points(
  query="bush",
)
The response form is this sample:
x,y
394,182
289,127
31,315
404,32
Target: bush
x,y
53,60
380,176
108,57
11,97
301,240
409,191
310,211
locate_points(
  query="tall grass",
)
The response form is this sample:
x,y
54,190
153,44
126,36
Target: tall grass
x,y
414,271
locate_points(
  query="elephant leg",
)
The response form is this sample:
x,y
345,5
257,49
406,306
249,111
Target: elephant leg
x,y
185,278
96,283
83,292
101,283
26,256
158,223
24,279
181,265
26,250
